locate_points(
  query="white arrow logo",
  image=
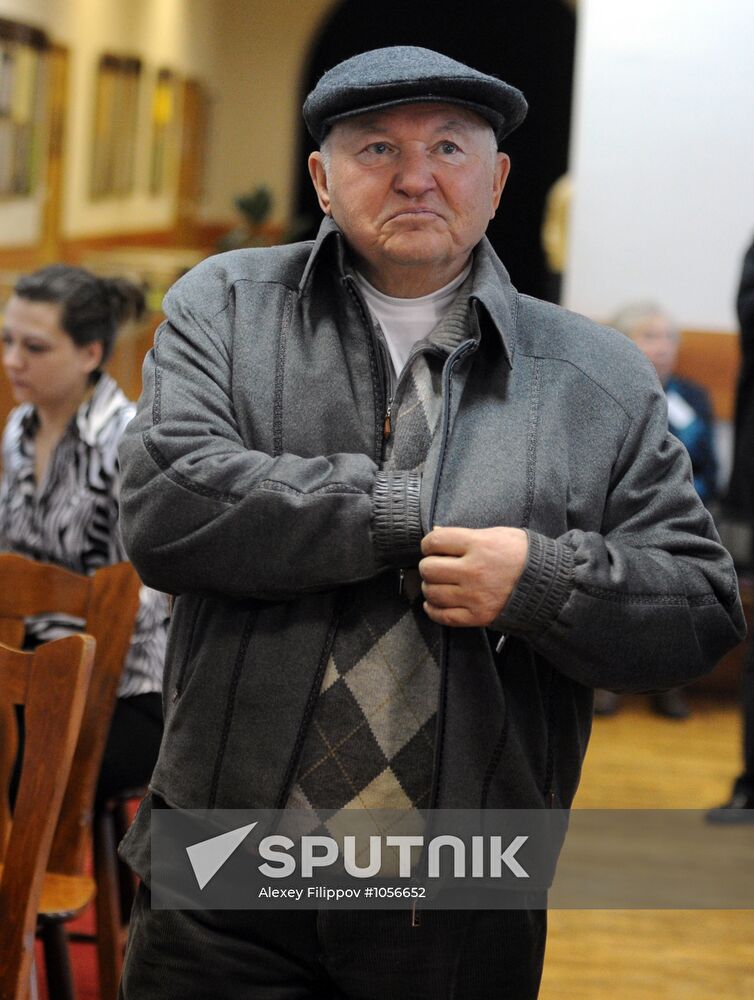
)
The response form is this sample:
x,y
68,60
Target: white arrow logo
x,y
208,856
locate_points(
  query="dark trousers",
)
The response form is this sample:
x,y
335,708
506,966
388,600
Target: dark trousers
x,y
333,954
133,743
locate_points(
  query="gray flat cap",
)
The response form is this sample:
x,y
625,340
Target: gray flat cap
x,y
405,74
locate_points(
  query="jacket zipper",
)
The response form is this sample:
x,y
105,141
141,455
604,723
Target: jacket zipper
x,y
384,402
387,427
390,388
460,352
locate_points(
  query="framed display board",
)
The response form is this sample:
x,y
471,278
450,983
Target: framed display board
x,y
22,108
116,116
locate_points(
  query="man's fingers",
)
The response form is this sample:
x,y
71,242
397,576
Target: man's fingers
x,y
447,541
453,617
439,569
441,595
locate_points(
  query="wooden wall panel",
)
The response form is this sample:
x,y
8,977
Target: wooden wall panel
x,y
712,359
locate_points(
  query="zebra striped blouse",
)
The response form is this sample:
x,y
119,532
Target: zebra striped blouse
x,y
72,518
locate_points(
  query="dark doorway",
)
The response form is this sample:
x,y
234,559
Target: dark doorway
x,y
529,43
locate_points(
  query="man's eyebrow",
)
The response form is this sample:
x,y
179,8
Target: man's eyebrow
x,y
366,124
458,125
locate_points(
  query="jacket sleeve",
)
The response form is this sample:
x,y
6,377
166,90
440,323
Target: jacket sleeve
x,y
202,511
651,600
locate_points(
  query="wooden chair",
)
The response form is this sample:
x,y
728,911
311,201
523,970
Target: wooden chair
x,y
107,602
51,684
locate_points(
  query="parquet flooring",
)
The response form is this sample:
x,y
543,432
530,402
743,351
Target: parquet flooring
x,y
639,760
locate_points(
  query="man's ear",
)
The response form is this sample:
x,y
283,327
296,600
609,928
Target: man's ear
x,y
318,175
502,169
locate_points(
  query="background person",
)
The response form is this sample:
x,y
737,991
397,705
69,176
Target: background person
x,y
690,415
691,419
60,487
739,502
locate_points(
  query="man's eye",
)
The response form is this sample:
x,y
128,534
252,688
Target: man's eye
x,y
447,148
378,147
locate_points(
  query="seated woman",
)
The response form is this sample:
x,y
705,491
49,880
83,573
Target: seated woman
x,y
690,419
60,481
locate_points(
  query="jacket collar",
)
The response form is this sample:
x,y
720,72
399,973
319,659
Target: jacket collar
x,y
329,240
492,296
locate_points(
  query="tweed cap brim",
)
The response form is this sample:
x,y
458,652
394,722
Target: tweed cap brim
x,y
406,74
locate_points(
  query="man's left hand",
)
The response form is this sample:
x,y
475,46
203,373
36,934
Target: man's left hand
x,y
468,574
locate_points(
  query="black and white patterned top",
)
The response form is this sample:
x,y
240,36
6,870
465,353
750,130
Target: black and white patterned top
x,y
72,518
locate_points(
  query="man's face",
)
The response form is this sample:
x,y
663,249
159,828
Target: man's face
x,y
412,188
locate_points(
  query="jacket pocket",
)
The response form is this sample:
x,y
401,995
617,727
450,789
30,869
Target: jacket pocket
x,y
187,628
499,649
521,765
548,685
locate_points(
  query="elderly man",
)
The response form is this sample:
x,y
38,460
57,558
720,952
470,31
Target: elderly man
x,y
412,519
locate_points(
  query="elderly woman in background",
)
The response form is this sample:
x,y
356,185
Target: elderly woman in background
x,y
59,493
690,415
690,419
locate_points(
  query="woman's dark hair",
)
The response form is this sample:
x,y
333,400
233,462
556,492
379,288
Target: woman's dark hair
x,y
92,308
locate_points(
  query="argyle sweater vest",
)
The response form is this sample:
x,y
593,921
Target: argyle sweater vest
x,y
371,740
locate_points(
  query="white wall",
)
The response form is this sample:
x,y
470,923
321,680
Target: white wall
x,y
257,107
663,156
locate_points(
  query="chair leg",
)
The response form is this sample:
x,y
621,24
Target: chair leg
x,y
109,944
57,961
32,992
127,881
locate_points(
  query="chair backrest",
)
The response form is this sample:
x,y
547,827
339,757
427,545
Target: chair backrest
x,y
107,602
51,683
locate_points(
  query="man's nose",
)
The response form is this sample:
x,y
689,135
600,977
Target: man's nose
x,y
414,175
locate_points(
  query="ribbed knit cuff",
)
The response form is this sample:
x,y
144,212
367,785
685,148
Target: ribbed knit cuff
x,y
397,516
542,589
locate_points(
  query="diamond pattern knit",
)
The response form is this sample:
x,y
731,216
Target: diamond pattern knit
x,y
371,740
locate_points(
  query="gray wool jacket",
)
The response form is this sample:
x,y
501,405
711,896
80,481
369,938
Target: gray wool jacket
x,y
252,490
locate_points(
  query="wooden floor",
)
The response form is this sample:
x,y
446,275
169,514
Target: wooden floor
x,y
639,760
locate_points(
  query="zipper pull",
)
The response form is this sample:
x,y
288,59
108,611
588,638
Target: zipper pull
x,y
387,426
401,577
